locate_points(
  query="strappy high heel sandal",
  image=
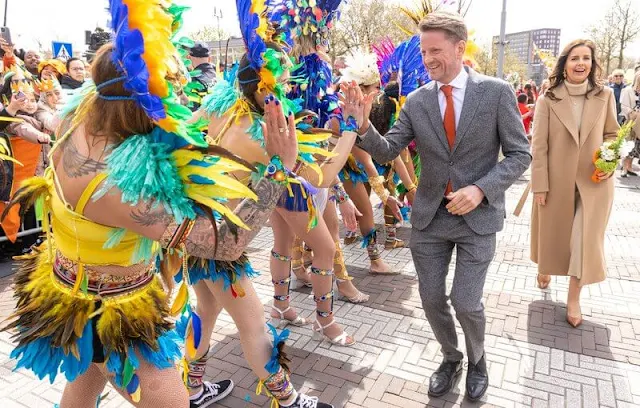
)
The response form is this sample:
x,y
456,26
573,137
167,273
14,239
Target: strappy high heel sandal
x,y
340,269
357,299
342,339
281,321
298,269
298,266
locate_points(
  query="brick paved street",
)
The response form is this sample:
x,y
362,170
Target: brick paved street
x,y
535,359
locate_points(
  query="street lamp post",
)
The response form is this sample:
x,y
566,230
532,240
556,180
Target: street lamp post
x,y
502,41
6,7
217,14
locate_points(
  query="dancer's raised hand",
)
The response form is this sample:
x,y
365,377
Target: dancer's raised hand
x,y
279,136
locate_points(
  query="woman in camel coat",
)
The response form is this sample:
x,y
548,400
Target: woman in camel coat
x,y
571,212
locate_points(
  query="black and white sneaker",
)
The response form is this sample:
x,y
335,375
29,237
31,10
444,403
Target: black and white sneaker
x,y
305,401
212,392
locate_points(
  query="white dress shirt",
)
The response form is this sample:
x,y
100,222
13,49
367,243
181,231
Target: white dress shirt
x,y
459,85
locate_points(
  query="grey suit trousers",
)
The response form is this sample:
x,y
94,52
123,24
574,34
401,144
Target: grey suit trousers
x,y
432,249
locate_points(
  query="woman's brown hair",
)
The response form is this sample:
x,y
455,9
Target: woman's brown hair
x,y
113,119
558,75
249,79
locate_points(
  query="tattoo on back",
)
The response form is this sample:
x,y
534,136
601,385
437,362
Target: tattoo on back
x,y
76,164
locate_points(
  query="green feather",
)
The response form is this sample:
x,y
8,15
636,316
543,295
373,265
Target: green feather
x,y
127,373
115,237
84,285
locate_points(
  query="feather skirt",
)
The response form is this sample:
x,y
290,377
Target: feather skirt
x,y
229,272
56,331
354,172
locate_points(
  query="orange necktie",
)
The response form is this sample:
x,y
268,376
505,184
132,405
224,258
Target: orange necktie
x,y
449,124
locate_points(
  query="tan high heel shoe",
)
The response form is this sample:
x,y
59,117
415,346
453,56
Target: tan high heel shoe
x,y
574,320
543,281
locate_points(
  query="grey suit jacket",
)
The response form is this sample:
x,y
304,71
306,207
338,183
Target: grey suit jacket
x,y
489,121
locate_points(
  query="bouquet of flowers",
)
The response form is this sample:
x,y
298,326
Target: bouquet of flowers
x,y
606,158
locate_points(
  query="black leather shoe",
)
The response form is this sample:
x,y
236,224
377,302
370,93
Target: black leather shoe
x,y
442,380
477,380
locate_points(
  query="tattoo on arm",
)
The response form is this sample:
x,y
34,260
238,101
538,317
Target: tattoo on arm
x,y
230,241
76,164
149,216
254,214
201,242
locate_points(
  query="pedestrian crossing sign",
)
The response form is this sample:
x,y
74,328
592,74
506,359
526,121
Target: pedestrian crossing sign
x,y
62,50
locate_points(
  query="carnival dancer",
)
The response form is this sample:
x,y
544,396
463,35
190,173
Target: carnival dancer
x,y
312,84
401,72
362,69
237,110
129,178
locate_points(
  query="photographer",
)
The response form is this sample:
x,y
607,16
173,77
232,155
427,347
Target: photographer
x,y
630,107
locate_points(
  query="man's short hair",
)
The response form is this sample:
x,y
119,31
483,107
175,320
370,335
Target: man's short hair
x,y
522,98
618,72
452,24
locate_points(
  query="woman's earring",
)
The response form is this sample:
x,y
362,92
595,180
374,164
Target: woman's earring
x,y
564,73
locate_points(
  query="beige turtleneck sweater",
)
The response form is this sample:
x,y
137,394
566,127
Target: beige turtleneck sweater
x,y
577,96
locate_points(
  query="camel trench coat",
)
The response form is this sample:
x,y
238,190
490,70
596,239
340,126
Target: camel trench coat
x,y
563,162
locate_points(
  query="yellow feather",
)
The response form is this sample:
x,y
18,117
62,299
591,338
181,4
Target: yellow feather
x,y
9,158
223,182
210,190
313,137
315,150
181,300
216,206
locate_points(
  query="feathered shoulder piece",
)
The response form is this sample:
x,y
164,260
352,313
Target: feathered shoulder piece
x,y
145,54
362,68
306,17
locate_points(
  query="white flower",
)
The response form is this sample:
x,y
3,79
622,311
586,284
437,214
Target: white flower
x,y
607,155
626,148
606,145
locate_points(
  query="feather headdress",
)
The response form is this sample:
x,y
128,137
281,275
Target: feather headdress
x,y
256,31
145,55
306,17
362,68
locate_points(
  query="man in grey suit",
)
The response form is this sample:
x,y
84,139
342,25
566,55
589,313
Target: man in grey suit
x,y
460,121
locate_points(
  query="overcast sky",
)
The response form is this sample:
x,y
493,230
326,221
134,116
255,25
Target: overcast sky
x,y
66,20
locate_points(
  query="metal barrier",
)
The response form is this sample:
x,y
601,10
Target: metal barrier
x,y
25,230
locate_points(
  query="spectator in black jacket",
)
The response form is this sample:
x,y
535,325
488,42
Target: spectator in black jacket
x,y
75,76
200,57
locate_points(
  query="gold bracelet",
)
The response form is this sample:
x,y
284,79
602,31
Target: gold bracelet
x,y
377,186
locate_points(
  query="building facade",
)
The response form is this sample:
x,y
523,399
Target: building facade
x,y
523,46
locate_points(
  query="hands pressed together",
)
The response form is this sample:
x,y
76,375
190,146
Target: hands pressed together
x,y
355,104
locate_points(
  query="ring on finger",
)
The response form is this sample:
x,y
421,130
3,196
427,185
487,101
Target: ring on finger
x,y
282,130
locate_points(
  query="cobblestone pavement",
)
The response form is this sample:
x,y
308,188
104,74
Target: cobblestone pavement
x,y
535,359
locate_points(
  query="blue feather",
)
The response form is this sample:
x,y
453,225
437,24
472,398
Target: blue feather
x,y
196,324
254,44
127,57
133,385
273,365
